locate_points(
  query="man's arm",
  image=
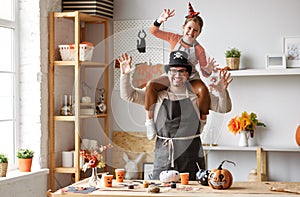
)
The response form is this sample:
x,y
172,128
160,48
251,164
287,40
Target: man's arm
x,y
222,103
127,91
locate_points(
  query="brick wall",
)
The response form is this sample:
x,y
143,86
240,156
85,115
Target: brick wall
x,y
33,65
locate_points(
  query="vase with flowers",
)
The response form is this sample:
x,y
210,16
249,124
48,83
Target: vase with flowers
x,y
244,125
94,159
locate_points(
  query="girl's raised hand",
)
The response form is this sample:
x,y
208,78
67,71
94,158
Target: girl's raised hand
x,y
223,82
167,13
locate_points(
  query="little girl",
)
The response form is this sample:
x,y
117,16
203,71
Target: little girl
x,y
186,42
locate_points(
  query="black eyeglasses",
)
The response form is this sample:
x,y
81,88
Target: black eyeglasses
x,y
180,72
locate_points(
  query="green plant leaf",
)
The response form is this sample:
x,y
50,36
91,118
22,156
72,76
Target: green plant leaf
x,y
3,158
25,153
233,53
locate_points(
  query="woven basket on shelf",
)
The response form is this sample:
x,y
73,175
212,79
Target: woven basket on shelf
x,y
3,169
233,63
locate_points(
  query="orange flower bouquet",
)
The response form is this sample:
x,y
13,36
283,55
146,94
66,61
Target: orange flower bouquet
x,y
94,158
245,122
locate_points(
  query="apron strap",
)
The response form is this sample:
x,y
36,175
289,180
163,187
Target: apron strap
x,y
169,141
186,93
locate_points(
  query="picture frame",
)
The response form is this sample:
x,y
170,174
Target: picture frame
x,y
291,49
147,171
275,61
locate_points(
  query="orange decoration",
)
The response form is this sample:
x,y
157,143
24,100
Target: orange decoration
x,y
220,178
298,135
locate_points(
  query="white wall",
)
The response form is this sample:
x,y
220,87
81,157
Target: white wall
x,y
256,27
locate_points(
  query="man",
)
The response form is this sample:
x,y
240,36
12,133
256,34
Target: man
x,y
176,116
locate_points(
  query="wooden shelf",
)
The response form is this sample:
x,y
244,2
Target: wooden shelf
x,y
264,72
252,148
82,17
82,63
261,154
78,72
72,118
229,148
280,149
64,170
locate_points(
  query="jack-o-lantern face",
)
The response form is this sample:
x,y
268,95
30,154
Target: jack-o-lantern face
x,y
120,174
108,180
220,178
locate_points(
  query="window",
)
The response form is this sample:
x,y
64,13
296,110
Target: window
x,y
8,79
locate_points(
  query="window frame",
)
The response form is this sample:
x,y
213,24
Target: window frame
x,y
14,25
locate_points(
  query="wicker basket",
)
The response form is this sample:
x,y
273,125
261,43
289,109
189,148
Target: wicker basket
x,y
3,169
233,63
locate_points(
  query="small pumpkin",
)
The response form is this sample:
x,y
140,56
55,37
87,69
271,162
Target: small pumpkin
x,y
202,176
220,178
297,136
168,176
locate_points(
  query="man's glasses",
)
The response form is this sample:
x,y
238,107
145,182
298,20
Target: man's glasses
x,y
180,72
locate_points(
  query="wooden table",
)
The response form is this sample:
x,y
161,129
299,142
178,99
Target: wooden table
x,y
241,189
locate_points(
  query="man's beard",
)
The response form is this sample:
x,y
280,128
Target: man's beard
x,y
177,85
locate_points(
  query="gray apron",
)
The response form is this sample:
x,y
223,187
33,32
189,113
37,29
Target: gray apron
x,y
178,144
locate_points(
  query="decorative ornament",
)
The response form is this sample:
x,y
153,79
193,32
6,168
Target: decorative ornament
x,y
101,106
192,13
168,176
220,178
141,44
202,176
67,108
297,136
131,166
153,189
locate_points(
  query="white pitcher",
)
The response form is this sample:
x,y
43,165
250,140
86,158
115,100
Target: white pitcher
x,y
244,135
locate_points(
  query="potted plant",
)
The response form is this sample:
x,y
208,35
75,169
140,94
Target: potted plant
x,y
25,159
3,165
233,58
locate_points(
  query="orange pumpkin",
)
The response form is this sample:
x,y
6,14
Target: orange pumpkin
x,y
297,136
220,178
